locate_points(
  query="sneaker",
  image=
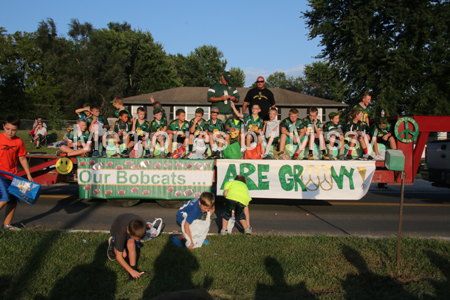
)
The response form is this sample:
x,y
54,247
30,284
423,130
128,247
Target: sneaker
x,y
58,152
95,154
364,157
110,251
168,155
369,157
311,156
124,154
147,155
176,242
349,157
104,154
243,155
295,156
341,157
325,157
11,227
162,155
248,230
223,232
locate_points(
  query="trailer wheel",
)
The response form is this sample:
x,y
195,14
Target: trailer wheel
x,y
170,203
123,202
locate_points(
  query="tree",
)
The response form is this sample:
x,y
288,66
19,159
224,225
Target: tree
x,y
280,80
238,77
398,50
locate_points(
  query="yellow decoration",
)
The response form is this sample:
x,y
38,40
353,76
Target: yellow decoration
x,y
64,166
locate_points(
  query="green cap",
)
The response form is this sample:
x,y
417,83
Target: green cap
x,y
156,110
383,120
227,76
199,111
332,115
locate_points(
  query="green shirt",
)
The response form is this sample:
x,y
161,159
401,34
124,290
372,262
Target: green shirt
x,y
218,90
237,191
233,123
329,126
175,126
84,135
359,126
124,127
250,122
117,113
215,128
101,119
158,126
200,126
145,127
292,127
365,112
381,131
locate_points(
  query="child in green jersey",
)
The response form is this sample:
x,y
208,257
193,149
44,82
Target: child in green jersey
x,y
382,133
177,130
157,104
215,129
235,127
121,127
118,104
356,129
98,125
197,129
158,129
333,130
141,127
253,123
82,143
292,129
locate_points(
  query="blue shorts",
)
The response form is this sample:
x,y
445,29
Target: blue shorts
x,y
8,197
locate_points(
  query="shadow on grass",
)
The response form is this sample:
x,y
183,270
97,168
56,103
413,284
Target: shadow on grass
x,y
325,221
443,264
280,289
368,285
173,271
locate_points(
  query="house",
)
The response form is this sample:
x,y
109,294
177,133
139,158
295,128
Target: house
x,y
189,98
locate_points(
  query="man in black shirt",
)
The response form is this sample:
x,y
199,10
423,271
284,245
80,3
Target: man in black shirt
x,y
261,96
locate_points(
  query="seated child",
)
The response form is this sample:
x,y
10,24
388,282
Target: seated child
x,y
157,104
177,130
82,144
292,130
334,129
197,128
158,129
356,131
142,129
216,130
236,194
382,133
271,131
118,104
253,123
121,127
39,134
235,129
195,209
313,130
84,111
98,125
126,230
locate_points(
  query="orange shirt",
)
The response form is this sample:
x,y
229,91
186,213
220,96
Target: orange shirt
x,y
10,150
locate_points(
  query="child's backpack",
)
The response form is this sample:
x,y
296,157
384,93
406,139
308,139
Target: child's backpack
x,y
180,152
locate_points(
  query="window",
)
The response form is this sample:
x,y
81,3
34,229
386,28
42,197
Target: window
x,y
190,112
279,113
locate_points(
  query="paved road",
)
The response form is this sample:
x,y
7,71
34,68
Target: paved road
x,y
426,213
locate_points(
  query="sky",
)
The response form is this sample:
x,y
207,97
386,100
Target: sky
x,y
259,37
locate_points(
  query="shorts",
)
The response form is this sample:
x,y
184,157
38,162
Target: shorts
x,y
8,197
238,210
381,141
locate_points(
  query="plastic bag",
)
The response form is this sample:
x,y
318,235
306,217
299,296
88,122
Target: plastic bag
x,y
231,222
199,230
255,153
23,189
154,231
232,151
180,152
137,150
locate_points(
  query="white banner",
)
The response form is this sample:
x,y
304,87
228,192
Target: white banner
x,y
302,179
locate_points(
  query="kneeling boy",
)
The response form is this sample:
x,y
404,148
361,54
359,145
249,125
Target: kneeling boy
x,y
195,209
126,230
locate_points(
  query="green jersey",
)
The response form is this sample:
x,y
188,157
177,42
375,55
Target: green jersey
x,y
252,123
117,113
175,126
200,126
101,119
358,126
142,128
292,127
233,123
84,137
381,131
218,90
158,126
330,126
215,128
365,112
309,125
124,127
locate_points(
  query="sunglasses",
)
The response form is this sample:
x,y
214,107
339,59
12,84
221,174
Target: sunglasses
x,y
260,81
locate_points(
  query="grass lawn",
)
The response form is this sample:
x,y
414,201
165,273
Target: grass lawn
x,y
54,136
61,265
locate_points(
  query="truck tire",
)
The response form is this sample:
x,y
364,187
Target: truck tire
x,y
123,202
170,203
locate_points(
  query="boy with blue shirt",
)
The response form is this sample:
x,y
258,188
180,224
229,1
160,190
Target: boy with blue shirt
x,y
195,209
